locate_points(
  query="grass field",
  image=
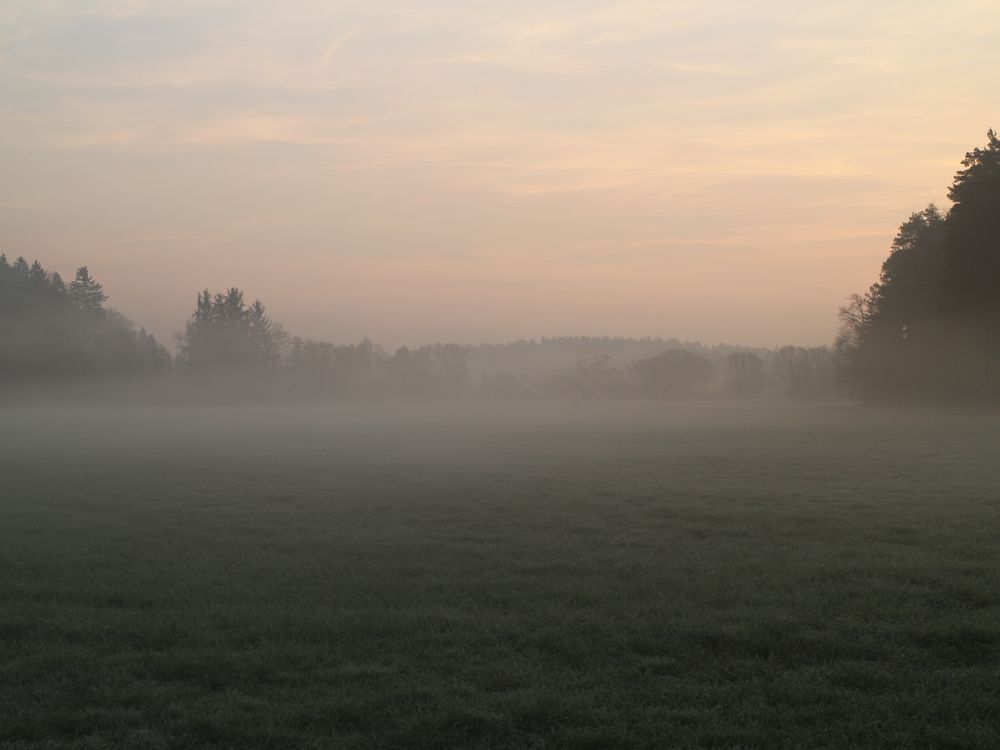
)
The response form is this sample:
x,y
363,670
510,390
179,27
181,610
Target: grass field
x,y
627,575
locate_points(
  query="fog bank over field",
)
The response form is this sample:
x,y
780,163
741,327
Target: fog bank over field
x,y
562,374
498,575
925,332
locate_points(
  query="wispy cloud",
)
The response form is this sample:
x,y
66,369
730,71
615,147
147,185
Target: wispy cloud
x,y
644,133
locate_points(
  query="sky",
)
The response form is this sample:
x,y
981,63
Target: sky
x,y
460,170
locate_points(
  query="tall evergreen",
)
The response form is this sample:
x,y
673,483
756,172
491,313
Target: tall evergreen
x,y
226,333
930,326
972,261
49,330
86,293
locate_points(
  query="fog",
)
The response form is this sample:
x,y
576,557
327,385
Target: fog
x,y
924,332
538,374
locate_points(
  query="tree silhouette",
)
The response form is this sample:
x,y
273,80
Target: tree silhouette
x,y
745,372
972,262
225,333
49,330
597,377
804,372
676,373
86,293
930,326
437,370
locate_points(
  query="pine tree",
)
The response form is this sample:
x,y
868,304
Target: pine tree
x,y
225,333
972,261
931,325
86,293
56,282
45,330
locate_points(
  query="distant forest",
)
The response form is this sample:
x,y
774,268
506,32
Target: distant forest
x,y
929,328
53,331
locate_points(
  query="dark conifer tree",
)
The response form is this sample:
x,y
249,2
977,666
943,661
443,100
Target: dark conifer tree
x,y
972,260
48,330
930,326
225,333
86,293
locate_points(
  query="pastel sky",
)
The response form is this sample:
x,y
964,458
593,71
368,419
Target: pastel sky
x,y
478,171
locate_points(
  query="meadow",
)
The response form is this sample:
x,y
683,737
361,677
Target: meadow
x,y
525,576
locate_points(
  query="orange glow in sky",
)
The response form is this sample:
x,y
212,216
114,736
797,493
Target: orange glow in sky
x,y
470,171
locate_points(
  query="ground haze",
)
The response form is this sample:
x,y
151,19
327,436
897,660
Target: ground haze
x,y
597,575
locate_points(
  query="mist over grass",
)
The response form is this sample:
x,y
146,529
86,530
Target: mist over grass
x,y
263,540
232,534
600,575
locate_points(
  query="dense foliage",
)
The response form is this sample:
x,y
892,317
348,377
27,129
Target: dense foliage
x,y
49,329
226,333
677,373
930,326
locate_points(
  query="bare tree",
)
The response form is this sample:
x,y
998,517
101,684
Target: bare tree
x,y
855,317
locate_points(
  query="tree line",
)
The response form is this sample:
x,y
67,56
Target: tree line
x,y
54,330
929,327
50,329
802,373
